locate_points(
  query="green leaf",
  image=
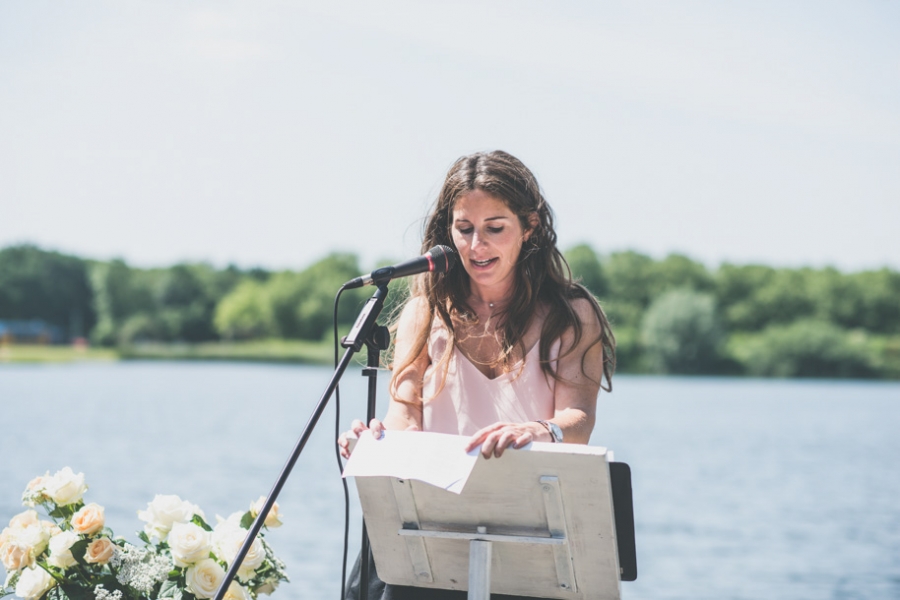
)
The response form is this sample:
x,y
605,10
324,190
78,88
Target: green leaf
x,y
247,520
198,520
168,589
142,535
79,549
59,512
77,592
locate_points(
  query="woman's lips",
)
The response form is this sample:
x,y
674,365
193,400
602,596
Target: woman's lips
x,y
483,264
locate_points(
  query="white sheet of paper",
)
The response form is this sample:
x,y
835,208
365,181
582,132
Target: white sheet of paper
x,y
435,458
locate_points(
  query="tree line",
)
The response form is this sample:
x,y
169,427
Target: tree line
x,y
672,315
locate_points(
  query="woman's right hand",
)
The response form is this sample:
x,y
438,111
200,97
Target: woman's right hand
x,y
356,428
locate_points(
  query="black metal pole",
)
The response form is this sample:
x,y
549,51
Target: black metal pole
x,y
379,340
359,333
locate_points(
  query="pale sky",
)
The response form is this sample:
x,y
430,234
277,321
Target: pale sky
x,y
270,133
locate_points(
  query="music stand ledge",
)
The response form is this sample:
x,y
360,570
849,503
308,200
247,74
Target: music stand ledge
x,y
537,522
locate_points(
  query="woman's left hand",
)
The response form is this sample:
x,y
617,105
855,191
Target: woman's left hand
x,y
496,438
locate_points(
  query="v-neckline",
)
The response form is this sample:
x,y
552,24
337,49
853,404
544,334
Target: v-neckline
x,y
501,375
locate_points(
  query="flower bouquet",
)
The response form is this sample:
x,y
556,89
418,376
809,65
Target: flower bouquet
x,y
75,556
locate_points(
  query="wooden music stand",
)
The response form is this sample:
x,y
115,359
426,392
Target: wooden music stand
x,y
538,521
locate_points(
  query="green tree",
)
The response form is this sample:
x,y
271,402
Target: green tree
x,y
53,287
677,271
302,302
681,333
586,267
805,348
246,312
119,293
782,298
186,303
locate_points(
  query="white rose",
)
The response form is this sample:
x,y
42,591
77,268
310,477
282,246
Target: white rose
x,y
228,537
188,543
33,582
268,587
34,537
65,487
61,550
204,578
237,592
165,511
273,519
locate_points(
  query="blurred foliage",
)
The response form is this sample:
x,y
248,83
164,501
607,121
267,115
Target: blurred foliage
x,y
671,315
53,287
681,333
805,348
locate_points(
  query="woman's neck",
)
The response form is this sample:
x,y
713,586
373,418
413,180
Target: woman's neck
x,y
493,298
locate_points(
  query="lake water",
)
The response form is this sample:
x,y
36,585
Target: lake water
x,y
743,488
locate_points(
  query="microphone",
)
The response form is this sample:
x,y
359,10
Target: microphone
x,y
439,259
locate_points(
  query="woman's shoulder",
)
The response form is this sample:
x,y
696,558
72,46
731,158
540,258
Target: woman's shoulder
x,y
588,317
413,312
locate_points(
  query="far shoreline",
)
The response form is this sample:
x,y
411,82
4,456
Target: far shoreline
x,y
276,352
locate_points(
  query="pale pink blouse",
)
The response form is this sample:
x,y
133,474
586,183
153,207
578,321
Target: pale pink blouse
x,y
469,400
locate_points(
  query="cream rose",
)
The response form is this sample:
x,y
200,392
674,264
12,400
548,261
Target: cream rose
x,y
15,555
34,538
100,551
61,550
236,592
33,583
24,519
89,519
273,519
228,537
163,512
65,487
189,543
204,578
34,491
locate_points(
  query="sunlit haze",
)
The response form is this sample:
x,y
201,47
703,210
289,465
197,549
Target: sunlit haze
x,y
271,133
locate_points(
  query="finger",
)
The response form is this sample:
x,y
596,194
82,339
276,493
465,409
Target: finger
x,y
479,436
344,446
503,442
413,427
357,426
487,447
523,440
377,428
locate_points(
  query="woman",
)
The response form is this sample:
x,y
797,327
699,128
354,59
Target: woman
x,y
504,348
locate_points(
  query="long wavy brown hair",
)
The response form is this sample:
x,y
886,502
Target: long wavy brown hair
x,y
542,276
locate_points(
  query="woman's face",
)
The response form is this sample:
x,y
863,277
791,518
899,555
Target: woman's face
x,y
488,237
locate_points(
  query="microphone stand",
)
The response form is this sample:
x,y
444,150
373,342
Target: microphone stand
x,y
375,343
376,338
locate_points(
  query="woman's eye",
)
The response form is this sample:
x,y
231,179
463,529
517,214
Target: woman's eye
x,y
466,231
495,229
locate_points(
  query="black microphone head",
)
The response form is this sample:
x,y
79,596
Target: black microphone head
x,y
442,259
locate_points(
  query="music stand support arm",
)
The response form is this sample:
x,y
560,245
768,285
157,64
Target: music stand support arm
x,y
480,568
353,342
